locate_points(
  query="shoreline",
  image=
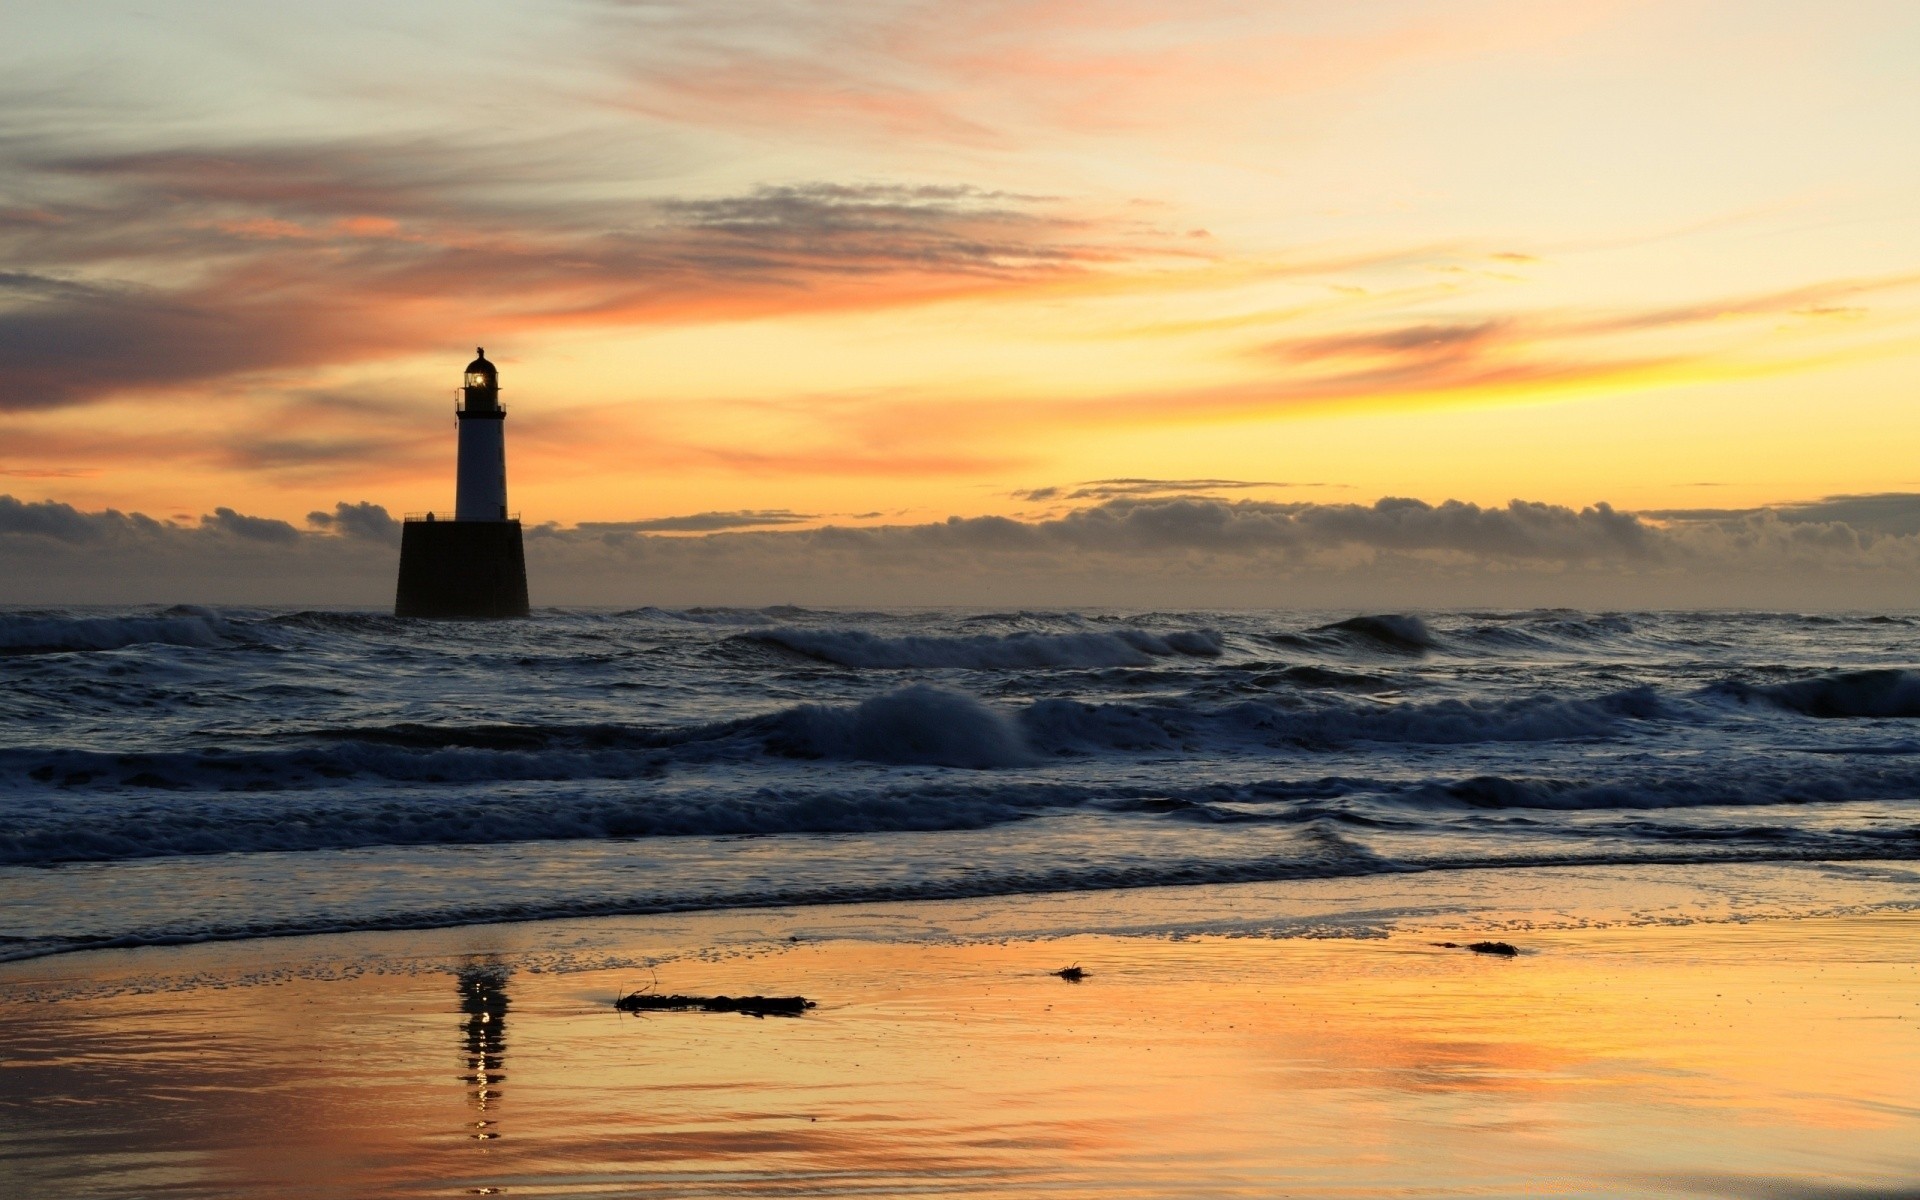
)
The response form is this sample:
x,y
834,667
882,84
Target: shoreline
x,y
1692,887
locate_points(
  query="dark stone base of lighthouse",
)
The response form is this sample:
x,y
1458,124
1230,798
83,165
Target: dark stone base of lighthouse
x,y
454,569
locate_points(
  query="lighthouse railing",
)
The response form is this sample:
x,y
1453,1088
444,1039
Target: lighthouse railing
x,y
439,515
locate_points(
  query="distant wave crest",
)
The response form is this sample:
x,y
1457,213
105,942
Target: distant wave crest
x,y
1879,693
1016,651
32,633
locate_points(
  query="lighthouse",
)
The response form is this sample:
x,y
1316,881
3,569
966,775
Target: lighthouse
x,y
481,479
469,563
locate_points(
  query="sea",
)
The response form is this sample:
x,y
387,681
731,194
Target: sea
x,y
181,775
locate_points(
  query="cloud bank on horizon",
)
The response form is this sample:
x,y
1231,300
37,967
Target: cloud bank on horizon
x,y
1175,549
760,266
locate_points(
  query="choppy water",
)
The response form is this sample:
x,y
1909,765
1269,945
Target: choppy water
x,y
185,774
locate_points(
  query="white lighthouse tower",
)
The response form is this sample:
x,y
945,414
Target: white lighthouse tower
x,y
473,565
481,483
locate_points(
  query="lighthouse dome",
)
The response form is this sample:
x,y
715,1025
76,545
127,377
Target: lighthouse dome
x,y
481,373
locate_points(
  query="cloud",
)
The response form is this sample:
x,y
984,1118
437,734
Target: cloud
x,y
1754,1186
53,553
859,229
705,522
54,521
58,522
1181,550
370,522
990,76
1107,489
1515,358
1424,341
253,529
61,343
1895,514
50,472
1138,526
195,264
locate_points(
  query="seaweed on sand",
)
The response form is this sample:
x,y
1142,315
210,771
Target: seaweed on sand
x,y
1503,949
750,1006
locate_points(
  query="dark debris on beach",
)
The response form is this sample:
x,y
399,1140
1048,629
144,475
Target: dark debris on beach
x,y
750,1006
1503,949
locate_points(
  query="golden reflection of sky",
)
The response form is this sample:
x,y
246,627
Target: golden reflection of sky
x,y
1715,1059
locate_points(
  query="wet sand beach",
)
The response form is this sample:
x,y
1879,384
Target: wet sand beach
x,y
1633,1057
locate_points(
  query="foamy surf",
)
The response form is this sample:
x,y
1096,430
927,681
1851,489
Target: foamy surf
x,y
153,754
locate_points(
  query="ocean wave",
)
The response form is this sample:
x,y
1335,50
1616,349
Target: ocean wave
x,y
257,824
1072,726
1722,786
376,756
913,726
1392,631
77,825
1016,651
906,756
1574,627
916,725
1382,633
1887,692
325,621
1312,854
712,616
34,633
1309,676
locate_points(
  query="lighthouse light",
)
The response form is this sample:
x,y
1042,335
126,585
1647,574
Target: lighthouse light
x,y
478,379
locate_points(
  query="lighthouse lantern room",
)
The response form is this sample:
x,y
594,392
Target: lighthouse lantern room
x,y
473,565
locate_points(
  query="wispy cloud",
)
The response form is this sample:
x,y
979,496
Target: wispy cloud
x,y
1107,489
175,267
706,522
992,76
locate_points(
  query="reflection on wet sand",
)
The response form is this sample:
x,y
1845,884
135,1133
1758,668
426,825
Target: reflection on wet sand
x,y
483,1030
1728,1060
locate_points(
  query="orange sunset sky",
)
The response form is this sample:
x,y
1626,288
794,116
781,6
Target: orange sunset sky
x,y
782,264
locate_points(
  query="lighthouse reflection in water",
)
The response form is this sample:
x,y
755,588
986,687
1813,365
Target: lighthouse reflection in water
x,y
483,1009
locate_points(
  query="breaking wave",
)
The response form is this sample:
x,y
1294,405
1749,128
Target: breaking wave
x,y
31,633
915,725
